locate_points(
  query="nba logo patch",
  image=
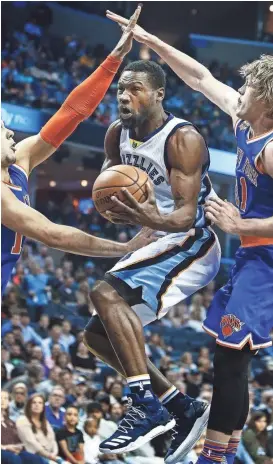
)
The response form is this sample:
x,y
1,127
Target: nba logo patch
x,y
230,324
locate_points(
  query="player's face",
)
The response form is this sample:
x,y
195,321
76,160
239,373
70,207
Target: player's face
x,y
136,98
248,107
8,148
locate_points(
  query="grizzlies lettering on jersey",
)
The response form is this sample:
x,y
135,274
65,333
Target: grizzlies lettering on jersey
x,y
254,188
151,156
12,242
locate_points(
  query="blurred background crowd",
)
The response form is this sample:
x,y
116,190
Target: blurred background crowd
x,y
58,400
39,71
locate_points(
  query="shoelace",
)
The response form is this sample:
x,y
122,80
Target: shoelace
x,y
174,430
132,416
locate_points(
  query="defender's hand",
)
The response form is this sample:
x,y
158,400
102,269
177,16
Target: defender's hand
x,y
125,44
224,214
143,238
144,214
140,35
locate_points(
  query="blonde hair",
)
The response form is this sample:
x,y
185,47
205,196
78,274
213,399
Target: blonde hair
x,y
259,74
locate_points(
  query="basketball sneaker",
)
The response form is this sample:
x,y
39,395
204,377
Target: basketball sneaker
x,y
144,421
191,419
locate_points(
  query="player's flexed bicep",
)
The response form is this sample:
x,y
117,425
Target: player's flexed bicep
x,y
111,146
187,153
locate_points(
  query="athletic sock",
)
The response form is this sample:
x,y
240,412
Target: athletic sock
x,y
141,386
213,451
169,395
232,450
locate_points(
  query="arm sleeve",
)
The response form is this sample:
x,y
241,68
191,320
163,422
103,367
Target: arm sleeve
x,y
80,104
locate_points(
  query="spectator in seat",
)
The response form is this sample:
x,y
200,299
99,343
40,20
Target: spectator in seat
x,y
92,441
70,438
81,389
84,360
63,360
255,439
34,285
35,431
55,337
265,378
32,377
204,366
157,348
187,361
6,361
116,392
8,340
82,294
105,403
19,398
12,449
53,380
194,382
67,338
42,326
196,308
29,334
55,412
116,412
106,427
14,321
68,292
90,271
66,381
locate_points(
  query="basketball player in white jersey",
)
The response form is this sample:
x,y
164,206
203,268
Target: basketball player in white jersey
x,y
240,316
145,284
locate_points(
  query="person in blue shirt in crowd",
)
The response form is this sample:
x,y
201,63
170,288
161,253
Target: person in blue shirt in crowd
x,y
55,412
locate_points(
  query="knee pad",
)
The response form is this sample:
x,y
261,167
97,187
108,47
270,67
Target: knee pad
x,y
230,378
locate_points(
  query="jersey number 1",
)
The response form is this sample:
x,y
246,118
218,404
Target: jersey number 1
x,y
17,246
243,184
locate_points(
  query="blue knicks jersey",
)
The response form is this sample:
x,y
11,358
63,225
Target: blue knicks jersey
x,y
12,242
254,189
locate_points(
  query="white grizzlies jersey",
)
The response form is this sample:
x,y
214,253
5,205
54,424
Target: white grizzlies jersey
x,y
151,156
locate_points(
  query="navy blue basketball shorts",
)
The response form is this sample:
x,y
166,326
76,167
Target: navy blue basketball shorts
x,y
242,311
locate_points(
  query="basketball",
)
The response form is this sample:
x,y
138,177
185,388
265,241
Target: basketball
x,y
112,180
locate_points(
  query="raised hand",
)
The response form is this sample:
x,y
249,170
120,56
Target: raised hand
x,y
140,35
125,43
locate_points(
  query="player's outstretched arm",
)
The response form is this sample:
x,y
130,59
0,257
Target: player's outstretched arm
x,y
79,105
194,74
28,222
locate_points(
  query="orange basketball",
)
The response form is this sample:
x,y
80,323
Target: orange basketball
x,y
112,180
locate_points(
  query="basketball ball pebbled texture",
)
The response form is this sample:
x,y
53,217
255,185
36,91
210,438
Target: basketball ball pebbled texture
x,y
110,182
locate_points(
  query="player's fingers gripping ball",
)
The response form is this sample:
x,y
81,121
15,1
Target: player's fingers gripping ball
x,y
110,184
